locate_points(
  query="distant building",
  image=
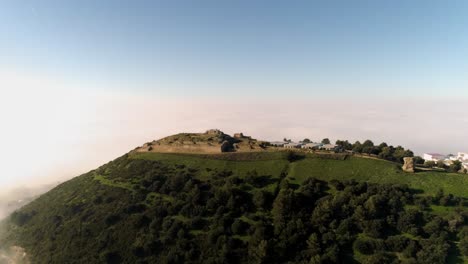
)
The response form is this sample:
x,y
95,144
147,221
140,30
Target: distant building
x,y
462,156
292,145
433,157
277,143
312,146
465,165
451,157
448,161
329,147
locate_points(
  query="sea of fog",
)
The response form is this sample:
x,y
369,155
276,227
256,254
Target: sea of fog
x,y
17,197
55,137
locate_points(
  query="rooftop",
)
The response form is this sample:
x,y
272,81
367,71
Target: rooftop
x,y
434,154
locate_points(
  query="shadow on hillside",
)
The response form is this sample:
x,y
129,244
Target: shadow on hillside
x,y
293,156
294,186
441,171
416,191
263,181
454,255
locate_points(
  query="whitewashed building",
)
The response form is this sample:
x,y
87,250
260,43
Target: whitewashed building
x,y
292,145
465,165
312,146
433,157
329,147
462,156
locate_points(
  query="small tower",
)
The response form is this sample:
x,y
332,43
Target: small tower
x,y
408,166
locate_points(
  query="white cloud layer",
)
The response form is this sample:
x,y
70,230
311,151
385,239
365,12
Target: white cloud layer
x,y
52,130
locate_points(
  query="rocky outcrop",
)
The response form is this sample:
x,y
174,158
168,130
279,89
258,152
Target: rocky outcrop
x,y
238,135
211,142
242,136
226,146
408,166
216,132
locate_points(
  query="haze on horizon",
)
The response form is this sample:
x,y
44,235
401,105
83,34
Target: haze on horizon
x,y
85,82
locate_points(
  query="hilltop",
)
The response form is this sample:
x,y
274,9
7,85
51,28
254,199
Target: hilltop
x,y
212,141
265,206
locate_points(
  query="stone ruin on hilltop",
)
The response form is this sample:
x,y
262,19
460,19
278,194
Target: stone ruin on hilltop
x,y
408,166
211,142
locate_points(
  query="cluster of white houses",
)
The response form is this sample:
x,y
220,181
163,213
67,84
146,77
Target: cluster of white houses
x,y
447,159
303,145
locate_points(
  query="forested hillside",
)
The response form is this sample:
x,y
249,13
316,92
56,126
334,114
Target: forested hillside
x,y
254,208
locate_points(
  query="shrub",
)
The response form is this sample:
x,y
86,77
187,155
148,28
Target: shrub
x,y
239,227
21,218
112,219
382,258
464,246
364,246
396,243
111,257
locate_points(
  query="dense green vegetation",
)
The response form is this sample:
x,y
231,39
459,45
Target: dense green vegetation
x,y
321,166
383,150
272,207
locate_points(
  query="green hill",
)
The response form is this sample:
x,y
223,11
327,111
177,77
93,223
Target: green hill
x,y
254,207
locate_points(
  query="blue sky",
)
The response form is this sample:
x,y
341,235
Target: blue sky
x,y
268,48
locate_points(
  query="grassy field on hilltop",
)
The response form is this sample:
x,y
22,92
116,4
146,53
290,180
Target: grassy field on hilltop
x,y
379,171
267,163
324,167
